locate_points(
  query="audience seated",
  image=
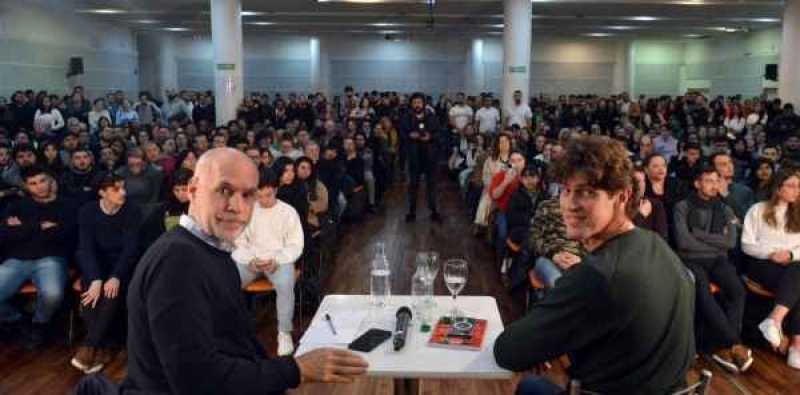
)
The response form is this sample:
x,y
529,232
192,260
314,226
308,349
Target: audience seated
x,y
269,246
501,188
76,182
771,242
39,240
108,248
705,234
650,213
142,180
553,250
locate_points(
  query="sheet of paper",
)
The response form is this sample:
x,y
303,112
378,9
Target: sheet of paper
x,y
346,322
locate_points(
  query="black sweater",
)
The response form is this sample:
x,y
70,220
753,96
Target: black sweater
x,y
29,240
108,245
189,331
624,315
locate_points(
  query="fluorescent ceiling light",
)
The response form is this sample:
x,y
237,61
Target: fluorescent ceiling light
x,y
765,20
261,23
622,27
390,32
146,21
251,13
498,25
105,11
693,35
724,29
598,34
177,29
384,24
643,18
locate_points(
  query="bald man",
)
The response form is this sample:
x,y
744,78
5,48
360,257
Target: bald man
x,y
188,329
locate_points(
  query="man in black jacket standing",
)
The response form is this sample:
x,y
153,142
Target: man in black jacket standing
x,y
420,130
189,331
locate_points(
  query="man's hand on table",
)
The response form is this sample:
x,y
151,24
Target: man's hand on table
x,y
330,365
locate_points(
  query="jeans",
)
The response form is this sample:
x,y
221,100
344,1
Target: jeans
x,y
48,274
501,224
547,271
535,385
283,279
784,281
726,322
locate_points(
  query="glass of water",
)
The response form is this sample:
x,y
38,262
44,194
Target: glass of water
x,y
433,271
455,276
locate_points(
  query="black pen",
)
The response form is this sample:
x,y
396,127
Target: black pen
x,y
330,324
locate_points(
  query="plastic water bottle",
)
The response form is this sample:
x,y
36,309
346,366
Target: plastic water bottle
x,y
379,284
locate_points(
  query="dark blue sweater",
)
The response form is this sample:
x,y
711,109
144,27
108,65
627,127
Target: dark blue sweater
x,y
108,245
29,241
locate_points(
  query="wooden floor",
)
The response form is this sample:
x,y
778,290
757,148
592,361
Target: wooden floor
x,y
48,372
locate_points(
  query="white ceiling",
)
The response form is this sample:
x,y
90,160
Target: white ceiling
x,y
457,17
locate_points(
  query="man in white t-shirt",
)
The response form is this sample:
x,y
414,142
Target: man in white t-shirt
x,y
519,113
487,117
460,114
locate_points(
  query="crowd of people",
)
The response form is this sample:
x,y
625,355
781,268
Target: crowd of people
x,y
717,180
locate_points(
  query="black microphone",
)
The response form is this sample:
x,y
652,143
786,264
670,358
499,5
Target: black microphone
x,y
401,328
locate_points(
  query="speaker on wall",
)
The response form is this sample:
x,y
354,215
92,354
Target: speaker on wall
x,y
75,66
771,72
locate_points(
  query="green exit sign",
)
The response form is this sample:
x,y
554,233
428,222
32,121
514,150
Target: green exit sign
x,y
517,69
226,66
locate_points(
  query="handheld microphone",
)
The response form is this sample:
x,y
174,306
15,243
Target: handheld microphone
x,y
401,328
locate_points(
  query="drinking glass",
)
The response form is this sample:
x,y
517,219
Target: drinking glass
x,y
433,271
455,276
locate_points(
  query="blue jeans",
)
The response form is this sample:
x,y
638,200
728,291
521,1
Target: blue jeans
x,y
48,274
284,280
501,223
547,271
535,385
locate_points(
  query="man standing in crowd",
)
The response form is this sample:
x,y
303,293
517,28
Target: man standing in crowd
x,y
188,330
40,232
519,113
421,133
705,233
269,246
487,117
624,315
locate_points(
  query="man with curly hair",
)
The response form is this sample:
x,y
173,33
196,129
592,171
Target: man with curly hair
x,y
624,315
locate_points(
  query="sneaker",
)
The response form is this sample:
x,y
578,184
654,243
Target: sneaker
x,y
724,357
436,217
772,332
794,358
36,337
285,344
742,356
84,358
410,218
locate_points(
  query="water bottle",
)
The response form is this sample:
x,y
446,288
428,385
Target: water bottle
x,y
379,285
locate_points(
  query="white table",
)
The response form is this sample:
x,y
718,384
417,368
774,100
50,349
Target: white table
x,y
418,360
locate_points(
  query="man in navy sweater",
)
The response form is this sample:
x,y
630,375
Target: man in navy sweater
x,y
189,331
38,239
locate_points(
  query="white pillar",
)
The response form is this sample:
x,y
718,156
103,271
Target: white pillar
x,y
622,69
167,66
226,37
476,73
517,15
315,65
789,67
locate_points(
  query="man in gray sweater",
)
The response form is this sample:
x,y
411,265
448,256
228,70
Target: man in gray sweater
x,y
705,231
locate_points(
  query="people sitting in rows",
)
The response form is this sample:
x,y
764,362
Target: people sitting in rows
x,y
705,234
38,245
631,290
738,196
317,194
142,181
269,246
108,248
498,161
771,242
76,182
650,213
290,190
501,188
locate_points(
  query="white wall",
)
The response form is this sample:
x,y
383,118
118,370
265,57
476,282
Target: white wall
x,y
656,67
37,43
282,64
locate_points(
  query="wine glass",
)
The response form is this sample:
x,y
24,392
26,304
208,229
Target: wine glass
x,y
455,276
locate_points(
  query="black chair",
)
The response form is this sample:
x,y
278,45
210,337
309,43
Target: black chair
x,y
698,388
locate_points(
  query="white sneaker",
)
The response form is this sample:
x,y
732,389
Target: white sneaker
x,y
794,358
771,331
285,343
